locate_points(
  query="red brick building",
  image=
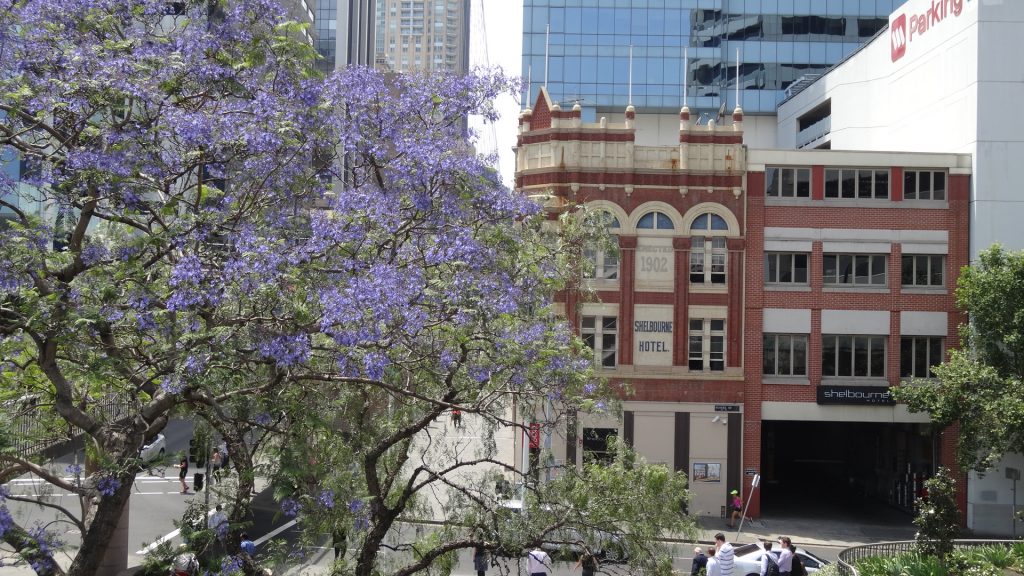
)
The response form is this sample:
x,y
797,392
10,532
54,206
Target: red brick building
x,y
761,302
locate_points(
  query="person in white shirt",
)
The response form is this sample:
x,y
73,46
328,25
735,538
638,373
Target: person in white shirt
x,y
713,567
725,554
538,563
768,557
785,556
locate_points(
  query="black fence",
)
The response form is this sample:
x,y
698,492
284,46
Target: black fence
x,y
32,435
851,556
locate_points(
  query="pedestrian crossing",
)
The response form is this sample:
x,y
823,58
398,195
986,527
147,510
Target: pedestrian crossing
x,y
144,486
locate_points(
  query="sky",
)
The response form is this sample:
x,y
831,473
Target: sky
x,y
496,38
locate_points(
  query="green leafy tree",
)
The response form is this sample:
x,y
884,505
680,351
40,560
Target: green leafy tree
x,y
980,386
938,518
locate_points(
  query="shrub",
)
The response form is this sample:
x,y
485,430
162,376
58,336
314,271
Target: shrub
x,y
938,520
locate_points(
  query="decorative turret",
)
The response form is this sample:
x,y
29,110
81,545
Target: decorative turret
x,y
524,120
555,114
737,119
577,114
630,115
684,118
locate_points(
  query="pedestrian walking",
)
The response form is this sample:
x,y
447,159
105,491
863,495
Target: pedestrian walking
x,y
247,545
785,556
185,563
699,562
219,522
713,567
725,554
456,418
538,563
339,539
588,562
182,467
480,560
216,463
735,507
770,561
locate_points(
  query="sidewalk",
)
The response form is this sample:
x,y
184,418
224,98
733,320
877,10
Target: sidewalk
x,y
809,531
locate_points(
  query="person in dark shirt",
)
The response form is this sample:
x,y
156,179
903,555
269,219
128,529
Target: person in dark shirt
x,y
700,561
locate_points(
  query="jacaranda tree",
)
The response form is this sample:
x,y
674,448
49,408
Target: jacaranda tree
x,y
205,226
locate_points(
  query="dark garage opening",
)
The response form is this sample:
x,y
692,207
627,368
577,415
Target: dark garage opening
x,y
856,469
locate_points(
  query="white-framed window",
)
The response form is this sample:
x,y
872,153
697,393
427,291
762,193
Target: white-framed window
x,y
654,221
709,252
924,185
850,183
787,182
707,345
854,269
601,334
785,268
923,270
784,355
852,356
603,261
918,354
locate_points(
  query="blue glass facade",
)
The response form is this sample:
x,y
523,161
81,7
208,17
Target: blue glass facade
x,y
779,41
326,23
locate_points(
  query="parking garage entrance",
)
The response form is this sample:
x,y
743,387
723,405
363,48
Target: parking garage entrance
x,y
847,467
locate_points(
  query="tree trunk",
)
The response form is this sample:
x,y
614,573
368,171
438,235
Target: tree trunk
x,y
101,532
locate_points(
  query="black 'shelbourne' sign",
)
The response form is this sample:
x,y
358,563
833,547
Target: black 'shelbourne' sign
x,y
869,395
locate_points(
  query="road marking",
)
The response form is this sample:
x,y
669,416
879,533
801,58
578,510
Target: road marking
x,y
275,532
166,537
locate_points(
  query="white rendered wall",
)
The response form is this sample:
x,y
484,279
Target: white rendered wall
x,y
957,89
663,130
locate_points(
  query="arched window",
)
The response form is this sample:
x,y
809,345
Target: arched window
x,y
655,221
604,260
708,245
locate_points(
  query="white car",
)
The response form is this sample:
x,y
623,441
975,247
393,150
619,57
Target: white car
x,y
155,450
748,559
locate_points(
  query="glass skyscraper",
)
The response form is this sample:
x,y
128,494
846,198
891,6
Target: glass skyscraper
x,y
780,42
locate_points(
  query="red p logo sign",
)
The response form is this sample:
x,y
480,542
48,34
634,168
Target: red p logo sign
x,y
898,37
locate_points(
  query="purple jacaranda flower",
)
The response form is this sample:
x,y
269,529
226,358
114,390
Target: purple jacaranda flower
x,y
291,507
108,485
326,499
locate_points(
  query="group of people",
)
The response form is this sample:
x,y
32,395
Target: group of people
x,y
721,558
218,462
718,561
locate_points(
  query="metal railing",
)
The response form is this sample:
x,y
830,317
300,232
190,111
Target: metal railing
x,y
851,556
35,435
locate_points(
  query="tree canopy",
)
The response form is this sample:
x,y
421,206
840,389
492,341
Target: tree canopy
x,y
319,268
980,386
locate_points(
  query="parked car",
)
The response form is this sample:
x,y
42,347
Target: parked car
x,y
748,559
155,450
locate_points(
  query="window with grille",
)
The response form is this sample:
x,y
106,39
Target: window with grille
x,y
708,249
603,261
601,334
707,345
